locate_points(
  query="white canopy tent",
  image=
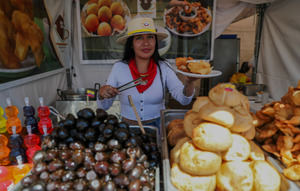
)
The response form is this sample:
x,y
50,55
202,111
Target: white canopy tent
x,y
278,65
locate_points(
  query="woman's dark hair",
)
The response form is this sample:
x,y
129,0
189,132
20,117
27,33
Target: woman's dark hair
x,y
129,52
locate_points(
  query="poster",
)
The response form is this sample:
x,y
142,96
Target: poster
x,y
26,48
102,22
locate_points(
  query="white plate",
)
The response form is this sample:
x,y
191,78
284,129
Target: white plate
x,y
186,34
27,65
214,73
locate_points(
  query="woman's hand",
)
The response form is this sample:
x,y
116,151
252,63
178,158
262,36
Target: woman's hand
x,y
189,86
108,91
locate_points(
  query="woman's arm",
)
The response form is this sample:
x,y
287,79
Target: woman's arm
x,y
189,86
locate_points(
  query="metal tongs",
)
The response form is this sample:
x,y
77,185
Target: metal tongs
x,y
56,113
132,84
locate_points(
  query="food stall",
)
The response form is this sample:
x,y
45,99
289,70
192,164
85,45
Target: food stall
x,y
61,55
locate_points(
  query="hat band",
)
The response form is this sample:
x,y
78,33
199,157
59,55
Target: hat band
x,y
141,31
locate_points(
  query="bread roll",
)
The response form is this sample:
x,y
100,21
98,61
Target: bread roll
x,y
199,103
217,114
211,137
177,132
185,182
239,150
242,123
249,134
191,120
266,178
255,152
235,175
175,152
225,94
174,123
197,162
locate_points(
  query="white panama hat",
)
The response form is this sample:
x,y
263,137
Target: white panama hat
x,y
141,25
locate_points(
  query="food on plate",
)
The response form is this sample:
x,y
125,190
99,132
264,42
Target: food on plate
x,y
181,63
186,182
235,175
175,152
19,34
211,137
278,130
199,67
190,23
188,64
265,176
176,133
113,13
239,150
197,162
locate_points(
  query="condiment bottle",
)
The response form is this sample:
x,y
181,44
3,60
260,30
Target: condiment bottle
x,y
20,170
45,121
16,146
12,117
29,112
2,121
4,150
31,142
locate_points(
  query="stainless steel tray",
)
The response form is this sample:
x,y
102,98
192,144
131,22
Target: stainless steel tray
x,y
171,114
158,178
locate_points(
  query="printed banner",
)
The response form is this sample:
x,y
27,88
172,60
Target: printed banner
x,y
189,25
26,48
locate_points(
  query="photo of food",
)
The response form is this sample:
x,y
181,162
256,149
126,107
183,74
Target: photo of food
x,y
104,17
21,38
191,20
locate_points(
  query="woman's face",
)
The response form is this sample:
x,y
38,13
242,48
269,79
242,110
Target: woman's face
x,y
144,45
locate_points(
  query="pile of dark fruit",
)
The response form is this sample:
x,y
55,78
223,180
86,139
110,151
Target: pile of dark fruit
x,y
94,152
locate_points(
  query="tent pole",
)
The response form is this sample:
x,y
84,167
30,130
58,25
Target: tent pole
x,y
260,17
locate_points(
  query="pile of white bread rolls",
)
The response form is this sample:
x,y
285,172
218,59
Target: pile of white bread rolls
x,y
213,148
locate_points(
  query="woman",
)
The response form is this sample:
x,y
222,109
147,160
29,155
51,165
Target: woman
x,y
141,59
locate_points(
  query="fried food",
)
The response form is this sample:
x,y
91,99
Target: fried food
x,y
181,63
194,25
30,33
26,6
199,67
7,57
293,172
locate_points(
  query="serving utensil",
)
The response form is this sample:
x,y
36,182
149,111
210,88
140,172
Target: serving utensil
x,y
136,114
132,84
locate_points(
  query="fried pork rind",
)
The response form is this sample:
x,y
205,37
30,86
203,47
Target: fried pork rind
x,y
30,35
199,67
292,172
181,63
278,130
7,57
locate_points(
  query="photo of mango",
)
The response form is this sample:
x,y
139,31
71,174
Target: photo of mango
x,y
104,17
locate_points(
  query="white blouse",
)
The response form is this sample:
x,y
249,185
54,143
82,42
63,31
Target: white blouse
x,y
150,102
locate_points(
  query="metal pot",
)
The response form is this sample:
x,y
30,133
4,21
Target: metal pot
x,y
79,94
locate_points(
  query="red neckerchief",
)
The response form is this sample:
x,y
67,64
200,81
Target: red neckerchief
x,y
148,76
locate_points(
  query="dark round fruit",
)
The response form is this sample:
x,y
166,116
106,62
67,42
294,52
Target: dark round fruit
x,y
86,113
108,131
54,165
128,165
82,124
123,125
117,156
121,134
109,186
62,133
135,185
114,144
101,114
70,121
101,167
99,146
91,134
112,120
